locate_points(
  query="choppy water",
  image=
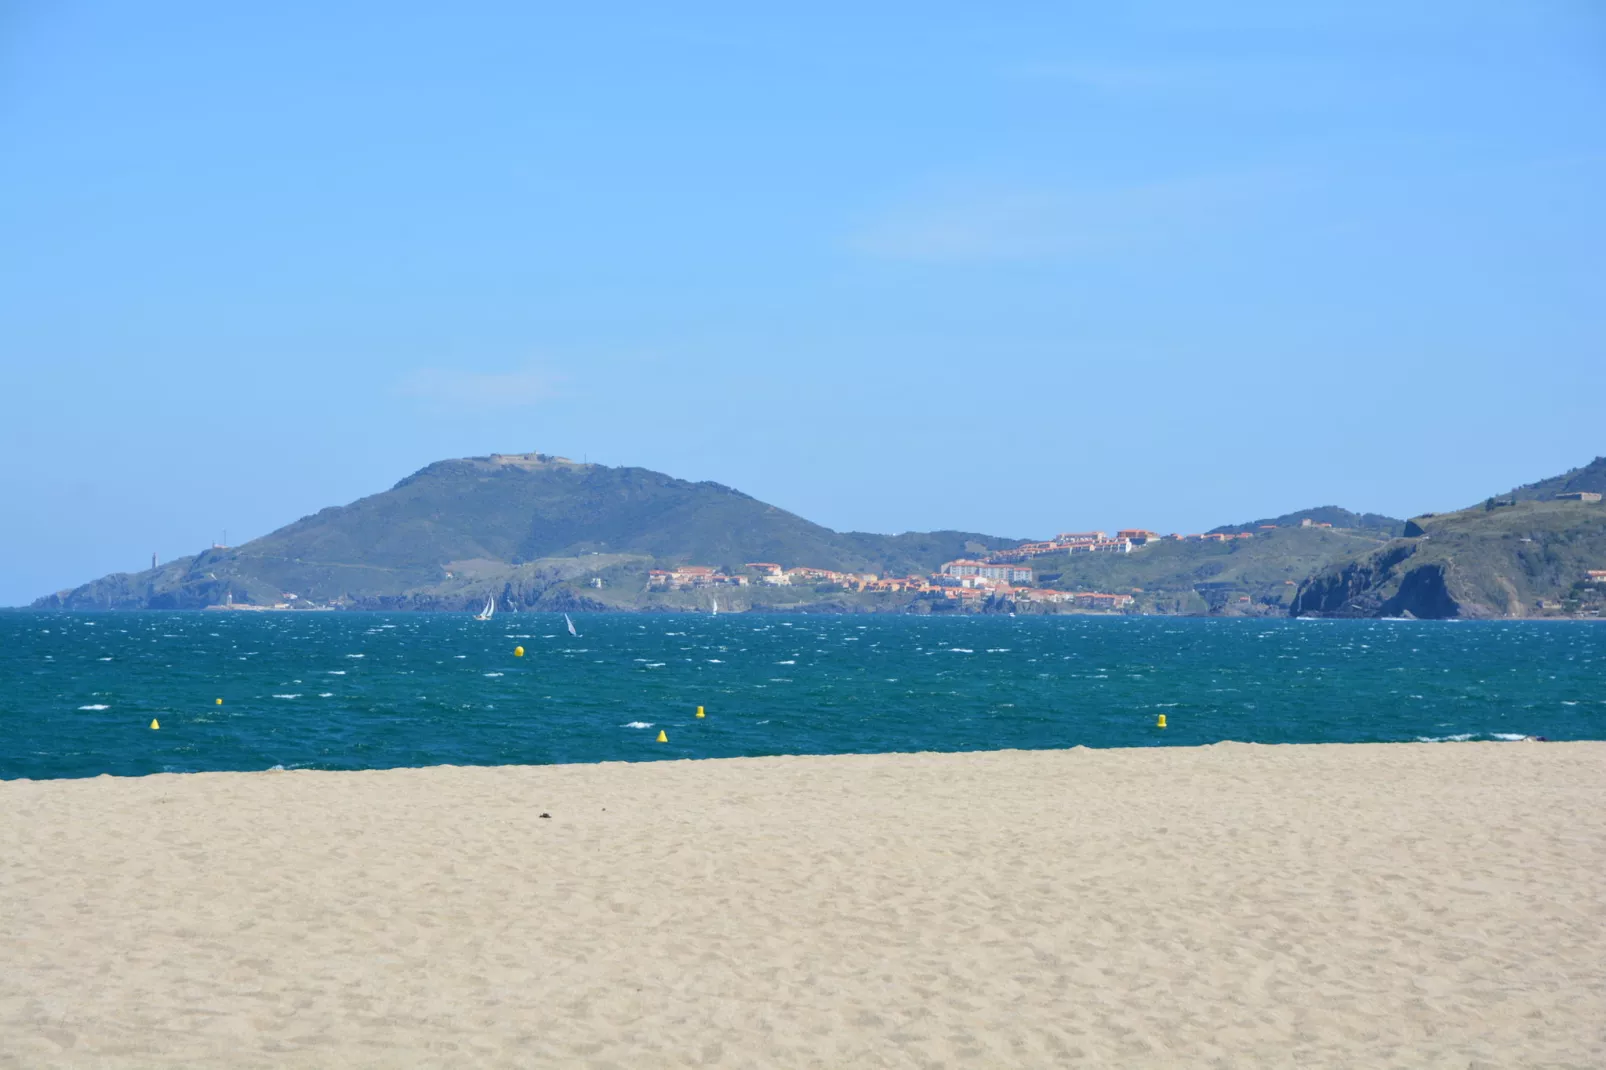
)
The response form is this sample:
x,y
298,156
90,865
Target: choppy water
x,y
358,691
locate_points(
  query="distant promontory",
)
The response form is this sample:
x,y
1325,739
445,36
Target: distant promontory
x,y
533,531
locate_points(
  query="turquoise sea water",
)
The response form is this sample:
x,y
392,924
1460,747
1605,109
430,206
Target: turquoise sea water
x,y
359,691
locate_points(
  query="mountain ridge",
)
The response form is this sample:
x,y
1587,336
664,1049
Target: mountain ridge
x,y
1590,478
489,517
540,531
1321,514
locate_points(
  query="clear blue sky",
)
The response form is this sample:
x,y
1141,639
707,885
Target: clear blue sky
x,y
1010,268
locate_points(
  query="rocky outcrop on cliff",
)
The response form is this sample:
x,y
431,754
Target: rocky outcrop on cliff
x,y
1387,583
1356,588
1510,559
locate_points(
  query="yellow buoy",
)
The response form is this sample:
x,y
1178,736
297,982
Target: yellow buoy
x,y
155,724
220,702
661,737
1161,722
699,711
518,651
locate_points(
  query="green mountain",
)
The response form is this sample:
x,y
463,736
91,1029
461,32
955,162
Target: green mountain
x,y
531,528
542,532
1505,558
1322,514
1591,479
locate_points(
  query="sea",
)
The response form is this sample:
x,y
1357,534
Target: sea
x,y
345,690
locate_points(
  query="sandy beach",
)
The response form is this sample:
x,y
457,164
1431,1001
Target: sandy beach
x,y
1234,905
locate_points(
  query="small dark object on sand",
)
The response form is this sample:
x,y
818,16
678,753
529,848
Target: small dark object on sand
x,y
546,815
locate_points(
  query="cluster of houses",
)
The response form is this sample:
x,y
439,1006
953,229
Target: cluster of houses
x,y
1122,542
999,574
988,572
965,581
971,581
689,576
1079,542
770,574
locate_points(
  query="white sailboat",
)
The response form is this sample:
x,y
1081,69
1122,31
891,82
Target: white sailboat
x,y
715,603
489,611
570,623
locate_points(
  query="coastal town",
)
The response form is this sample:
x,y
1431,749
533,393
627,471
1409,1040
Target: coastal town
x,y
1001,574
964,581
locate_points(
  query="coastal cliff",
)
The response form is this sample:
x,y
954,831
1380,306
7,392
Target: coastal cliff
x,y
537,532
1505,558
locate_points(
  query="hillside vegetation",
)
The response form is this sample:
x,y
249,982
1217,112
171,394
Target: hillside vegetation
x,y
457,530
1530,558
1234,576
541,532
1323,514
1590,478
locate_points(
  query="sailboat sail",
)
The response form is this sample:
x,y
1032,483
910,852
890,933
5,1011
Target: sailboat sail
x,y
715,602
489,611
570,623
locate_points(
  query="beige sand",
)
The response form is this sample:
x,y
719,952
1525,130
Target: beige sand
x,y
1403,905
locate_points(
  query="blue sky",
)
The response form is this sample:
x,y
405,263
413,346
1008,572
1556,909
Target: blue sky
x,y
1014,269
